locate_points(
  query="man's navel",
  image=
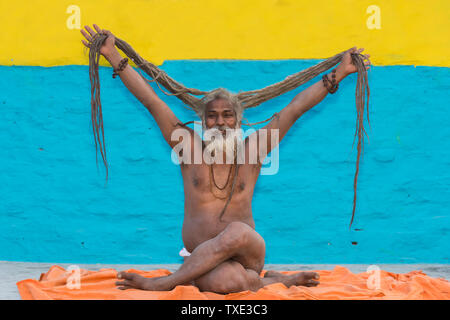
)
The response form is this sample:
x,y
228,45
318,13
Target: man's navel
x,y
195,181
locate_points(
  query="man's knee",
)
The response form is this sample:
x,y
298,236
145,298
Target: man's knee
x,y
240,280
235,236
229,277
236,282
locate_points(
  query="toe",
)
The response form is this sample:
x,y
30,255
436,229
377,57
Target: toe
x,y
312,283
311,275
123,283
124,287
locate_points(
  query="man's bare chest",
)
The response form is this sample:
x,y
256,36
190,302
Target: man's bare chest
x,y
220,177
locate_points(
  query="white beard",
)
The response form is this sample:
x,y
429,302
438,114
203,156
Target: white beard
x,y
222,145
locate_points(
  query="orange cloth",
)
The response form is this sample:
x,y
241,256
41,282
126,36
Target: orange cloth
x,y
339,283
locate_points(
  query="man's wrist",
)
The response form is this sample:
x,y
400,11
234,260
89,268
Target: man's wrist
x,y
113,57
340,74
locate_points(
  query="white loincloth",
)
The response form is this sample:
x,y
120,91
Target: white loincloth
x,y
184,253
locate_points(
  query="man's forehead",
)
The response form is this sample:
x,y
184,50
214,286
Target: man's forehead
x,y
219,105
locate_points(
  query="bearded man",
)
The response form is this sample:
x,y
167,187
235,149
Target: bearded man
x,y
224,252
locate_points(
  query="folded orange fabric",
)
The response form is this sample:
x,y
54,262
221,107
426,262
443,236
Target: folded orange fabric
x,y
339,283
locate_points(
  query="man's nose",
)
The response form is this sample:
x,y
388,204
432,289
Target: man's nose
x,y
220,121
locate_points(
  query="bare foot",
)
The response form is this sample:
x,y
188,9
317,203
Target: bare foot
x,y
136,281
307,279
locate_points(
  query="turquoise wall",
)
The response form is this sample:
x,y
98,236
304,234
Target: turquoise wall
x,y
54,206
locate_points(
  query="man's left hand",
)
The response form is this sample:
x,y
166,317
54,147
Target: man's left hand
x,y
347,67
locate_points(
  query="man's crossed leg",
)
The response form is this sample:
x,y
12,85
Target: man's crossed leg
x,y
229,262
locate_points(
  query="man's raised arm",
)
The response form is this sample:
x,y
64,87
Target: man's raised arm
x,y
137,85
307,99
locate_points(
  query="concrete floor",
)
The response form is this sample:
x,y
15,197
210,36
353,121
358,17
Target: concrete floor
x,y
13,272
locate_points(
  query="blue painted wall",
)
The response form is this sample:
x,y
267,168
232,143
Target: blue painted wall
x,y
54,206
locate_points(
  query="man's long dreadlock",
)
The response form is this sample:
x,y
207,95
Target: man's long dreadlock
x,y
248,99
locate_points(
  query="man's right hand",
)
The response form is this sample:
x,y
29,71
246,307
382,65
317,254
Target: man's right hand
x,y
107,47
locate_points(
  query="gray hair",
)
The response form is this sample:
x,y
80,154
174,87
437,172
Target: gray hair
x,y
221,93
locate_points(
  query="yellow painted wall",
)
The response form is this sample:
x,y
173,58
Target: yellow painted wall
x,y
412,32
